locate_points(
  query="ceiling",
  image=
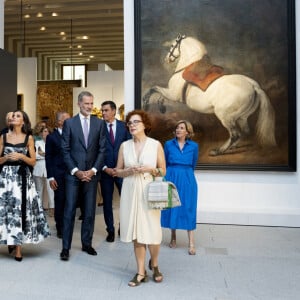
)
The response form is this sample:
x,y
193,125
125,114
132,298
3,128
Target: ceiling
x,y
100,20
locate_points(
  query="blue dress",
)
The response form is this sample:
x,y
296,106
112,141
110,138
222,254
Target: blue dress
x,y
180,170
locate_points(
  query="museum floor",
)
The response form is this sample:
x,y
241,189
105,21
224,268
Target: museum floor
x,y
232,263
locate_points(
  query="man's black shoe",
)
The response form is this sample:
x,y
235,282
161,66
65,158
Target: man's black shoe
x,y
89,250
110,237
64,255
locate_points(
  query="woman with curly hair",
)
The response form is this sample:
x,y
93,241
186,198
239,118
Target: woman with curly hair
x,y
139,159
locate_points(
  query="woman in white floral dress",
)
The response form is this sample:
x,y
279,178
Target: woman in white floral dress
x,y
22,219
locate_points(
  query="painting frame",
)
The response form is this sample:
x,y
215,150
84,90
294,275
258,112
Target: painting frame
x,y
289,163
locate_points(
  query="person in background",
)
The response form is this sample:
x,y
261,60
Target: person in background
x,y
83,147
40,173
56,169
22,219
181,158
37,130
116,134
139,159
8,120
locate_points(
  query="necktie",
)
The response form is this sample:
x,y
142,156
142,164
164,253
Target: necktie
x,y
111,134
86,130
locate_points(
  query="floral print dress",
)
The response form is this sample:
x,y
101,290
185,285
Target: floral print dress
x,y
22,219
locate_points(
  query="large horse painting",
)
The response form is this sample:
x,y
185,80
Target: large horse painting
x,y
221,66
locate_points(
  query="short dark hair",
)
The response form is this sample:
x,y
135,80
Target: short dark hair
x,y
112,104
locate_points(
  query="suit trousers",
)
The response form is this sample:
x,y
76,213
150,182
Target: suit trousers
x,y
89,190
107,190
59,202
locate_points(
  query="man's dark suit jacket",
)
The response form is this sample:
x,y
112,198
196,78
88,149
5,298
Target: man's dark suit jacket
x,y
77,155
54,159
112,150
75,152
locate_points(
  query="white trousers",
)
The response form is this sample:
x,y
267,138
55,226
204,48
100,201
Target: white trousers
x,y
45,192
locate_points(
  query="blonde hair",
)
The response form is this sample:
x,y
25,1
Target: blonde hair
x,y
188,126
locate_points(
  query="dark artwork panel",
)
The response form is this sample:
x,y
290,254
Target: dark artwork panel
x,y
228,66
8,84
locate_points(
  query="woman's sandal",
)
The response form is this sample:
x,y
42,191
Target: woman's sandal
x,y
192,249
11,249
157,276
172,244
135,282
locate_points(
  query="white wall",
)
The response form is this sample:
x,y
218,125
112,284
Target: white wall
x,y
250,198
104,84
27,85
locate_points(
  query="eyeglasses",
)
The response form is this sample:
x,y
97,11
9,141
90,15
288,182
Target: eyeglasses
x,y
134,122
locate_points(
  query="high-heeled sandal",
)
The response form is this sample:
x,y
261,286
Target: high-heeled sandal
x,y
172,244
18,258
11,249
135,282
192,249
157,275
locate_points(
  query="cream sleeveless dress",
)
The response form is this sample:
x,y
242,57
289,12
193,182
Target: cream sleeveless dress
x,y
137,222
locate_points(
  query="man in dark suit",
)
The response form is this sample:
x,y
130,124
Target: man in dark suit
x,y
116,134
83,146
56,169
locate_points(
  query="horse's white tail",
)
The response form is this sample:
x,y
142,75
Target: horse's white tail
x,y
265,126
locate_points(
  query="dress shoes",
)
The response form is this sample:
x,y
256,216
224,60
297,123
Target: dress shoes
x,y
64,255
89,250
110,237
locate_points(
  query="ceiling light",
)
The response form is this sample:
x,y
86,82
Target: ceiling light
x,y
62,33
39,15
83,37
43,28
54,14
80,53
27,16
92,56
79,46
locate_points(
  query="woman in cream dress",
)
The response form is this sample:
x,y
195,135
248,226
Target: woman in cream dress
x,y
139,159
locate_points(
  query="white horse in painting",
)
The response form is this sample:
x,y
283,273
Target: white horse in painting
x,y
232,98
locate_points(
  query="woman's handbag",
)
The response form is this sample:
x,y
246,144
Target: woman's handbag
x,y
161,194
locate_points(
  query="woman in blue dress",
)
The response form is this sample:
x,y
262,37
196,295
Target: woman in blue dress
x,y
181,158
